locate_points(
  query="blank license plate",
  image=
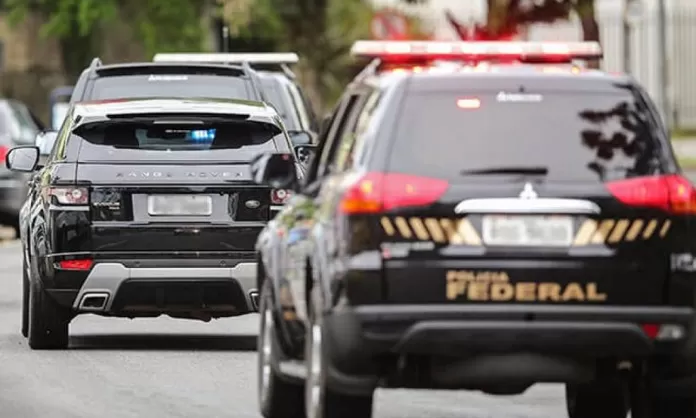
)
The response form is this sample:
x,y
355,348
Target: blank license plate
x,y
180,205
527,231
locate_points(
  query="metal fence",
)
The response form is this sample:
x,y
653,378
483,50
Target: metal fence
x,y
645,56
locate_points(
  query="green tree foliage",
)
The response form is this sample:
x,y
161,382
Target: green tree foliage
x,y
320,31
162,25
506,16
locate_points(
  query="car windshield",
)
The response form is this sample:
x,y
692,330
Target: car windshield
x,y
184,86
131,141
573,136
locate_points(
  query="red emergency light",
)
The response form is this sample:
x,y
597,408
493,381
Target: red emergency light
x,y
402,51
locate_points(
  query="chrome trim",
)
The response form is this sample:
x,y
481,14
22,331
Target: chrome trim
x,y
107,278
517,205
76,208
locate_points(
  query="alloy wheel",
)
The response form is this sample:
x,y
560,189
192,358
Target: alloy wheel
x,y
265,355
314,388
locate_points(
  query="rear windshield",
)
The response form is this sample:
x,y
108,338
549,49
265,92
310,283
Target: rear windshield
x,y
575,136
185,86
126,141
271,89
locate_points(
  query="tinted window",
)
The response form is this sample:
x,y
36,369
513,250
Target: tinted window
x,y
575,136
125,141
185,86
271,88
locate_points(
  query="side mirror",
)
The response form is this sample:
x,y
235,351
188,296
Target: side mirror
x,y
45,140
276,170
300,137
23,158
305,152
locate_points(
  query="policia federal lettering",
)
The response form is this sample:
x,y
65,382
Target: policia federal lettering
x,y
493,286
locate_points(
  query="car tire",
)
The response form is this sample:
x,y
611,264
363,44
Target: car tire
x,y
48,321
320,401
597,400
25,299
278,398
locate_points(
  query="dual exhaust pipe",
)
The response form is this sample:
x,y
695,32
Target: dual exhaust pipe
x,y
254,299
96,302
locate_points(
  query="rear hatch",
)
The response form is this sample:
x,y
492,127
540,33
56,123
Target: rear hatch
x,y
174,187
541,197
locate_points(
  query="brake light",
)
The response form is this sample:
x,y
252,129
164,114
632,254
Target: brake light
x,y
469,103
279,196
378,192
477,51
3,153
79,265
672,193
69,195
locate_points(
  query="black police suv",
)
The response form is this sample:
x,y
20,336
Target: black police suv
x,y
497,218
145,207
277,81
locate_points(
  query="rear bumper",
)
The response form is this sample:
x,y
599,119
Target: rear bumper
x,y
478,345
112,288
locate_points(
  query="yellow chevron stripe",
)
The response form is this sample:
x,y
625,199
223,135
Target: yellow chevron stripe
x,y
648,231
435,230
419,229
619,231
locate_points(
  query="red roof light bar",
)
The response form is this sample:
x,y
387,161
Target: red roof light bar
x,y
476,51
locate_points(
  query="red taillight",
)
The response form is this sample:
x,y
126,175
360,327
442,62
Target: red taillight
x,y
377,192
3,153
651,330
279,196
672,193
81,265
69,195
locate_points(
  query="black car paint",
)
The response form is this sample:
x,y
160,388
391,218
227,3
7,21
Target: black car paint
x,y
334,265
106,229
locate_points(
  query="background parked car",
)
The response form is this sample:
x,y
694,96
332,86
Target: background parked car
x,y
18,126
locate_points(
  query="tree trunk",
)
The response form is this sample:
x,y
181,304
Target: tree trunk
x,y
497,16
588,22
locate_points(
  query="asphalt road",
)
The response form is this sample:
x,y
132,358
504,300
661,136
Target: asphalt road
x,y
173,368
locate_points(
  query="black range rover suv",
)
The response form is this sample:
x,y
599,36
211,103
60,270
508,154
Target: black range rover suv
x,y
501,218
145,207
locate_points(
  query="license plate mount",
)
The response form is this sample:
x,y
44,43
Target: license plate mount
x,y
527,230
180,205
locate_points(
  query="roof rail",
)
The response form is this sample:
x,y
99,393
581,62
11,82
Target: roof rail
x,y
370,69
287,71
96,63
249,71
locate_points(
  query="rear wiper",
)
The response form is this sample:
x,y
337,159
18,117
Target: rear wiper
x,y
521,170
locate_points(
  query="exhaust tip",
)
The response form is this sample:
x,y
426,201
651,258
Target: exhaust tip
x,y
254,297
94,301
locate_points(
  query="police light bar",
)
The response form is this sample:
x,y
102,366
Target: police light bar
x,y
230,58
476,51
